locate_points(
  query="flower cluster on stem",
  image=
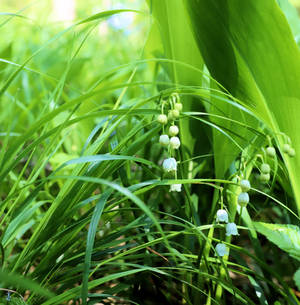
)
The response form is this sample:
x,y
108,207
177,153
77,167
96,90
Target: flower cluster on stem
x,y
171,140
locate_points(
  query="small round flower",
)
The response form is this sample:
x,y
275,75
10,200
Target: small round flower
x,y
222,216
265,168
271,152
174,142
286,148
162,119
221,249
178,106
231,229
245,185
173,130
243,199
292,152
170,165
264,177
164,140
175,187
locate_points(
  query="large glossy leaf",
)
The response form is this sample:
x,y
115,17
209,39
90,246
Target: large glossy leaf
x,y
178,44
286,237
249,48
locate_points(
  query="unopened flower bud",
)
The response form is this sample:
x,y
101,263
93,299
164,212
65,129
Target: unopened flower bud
x,y
292,152
271,152
243,199
245,185
221,249
265,168
286,148
173,114
178,106
264,177
162,119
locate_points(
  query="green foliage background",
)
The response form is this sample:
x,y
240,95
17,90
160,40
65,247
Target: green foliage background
x,y
86,212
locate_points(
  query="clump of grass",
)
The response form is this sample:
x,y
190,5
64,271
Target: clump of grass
x,y
103,199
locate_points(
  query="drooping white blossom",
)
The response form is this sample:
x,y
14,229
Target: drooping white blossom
x,y
170,165
231,229
174,142
173,130
222,216
164,140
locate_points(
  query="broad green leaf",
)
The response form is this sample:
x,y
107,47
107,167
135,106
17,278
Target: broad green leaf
x,y
259,67
292,16
178,45
297,278
286,237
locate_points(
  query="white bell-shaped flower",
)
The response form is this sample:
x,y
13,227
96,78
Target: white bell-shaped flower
x,y
173,130
221,249
175,187
174,142
170,165
164,140
231,229
222,216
